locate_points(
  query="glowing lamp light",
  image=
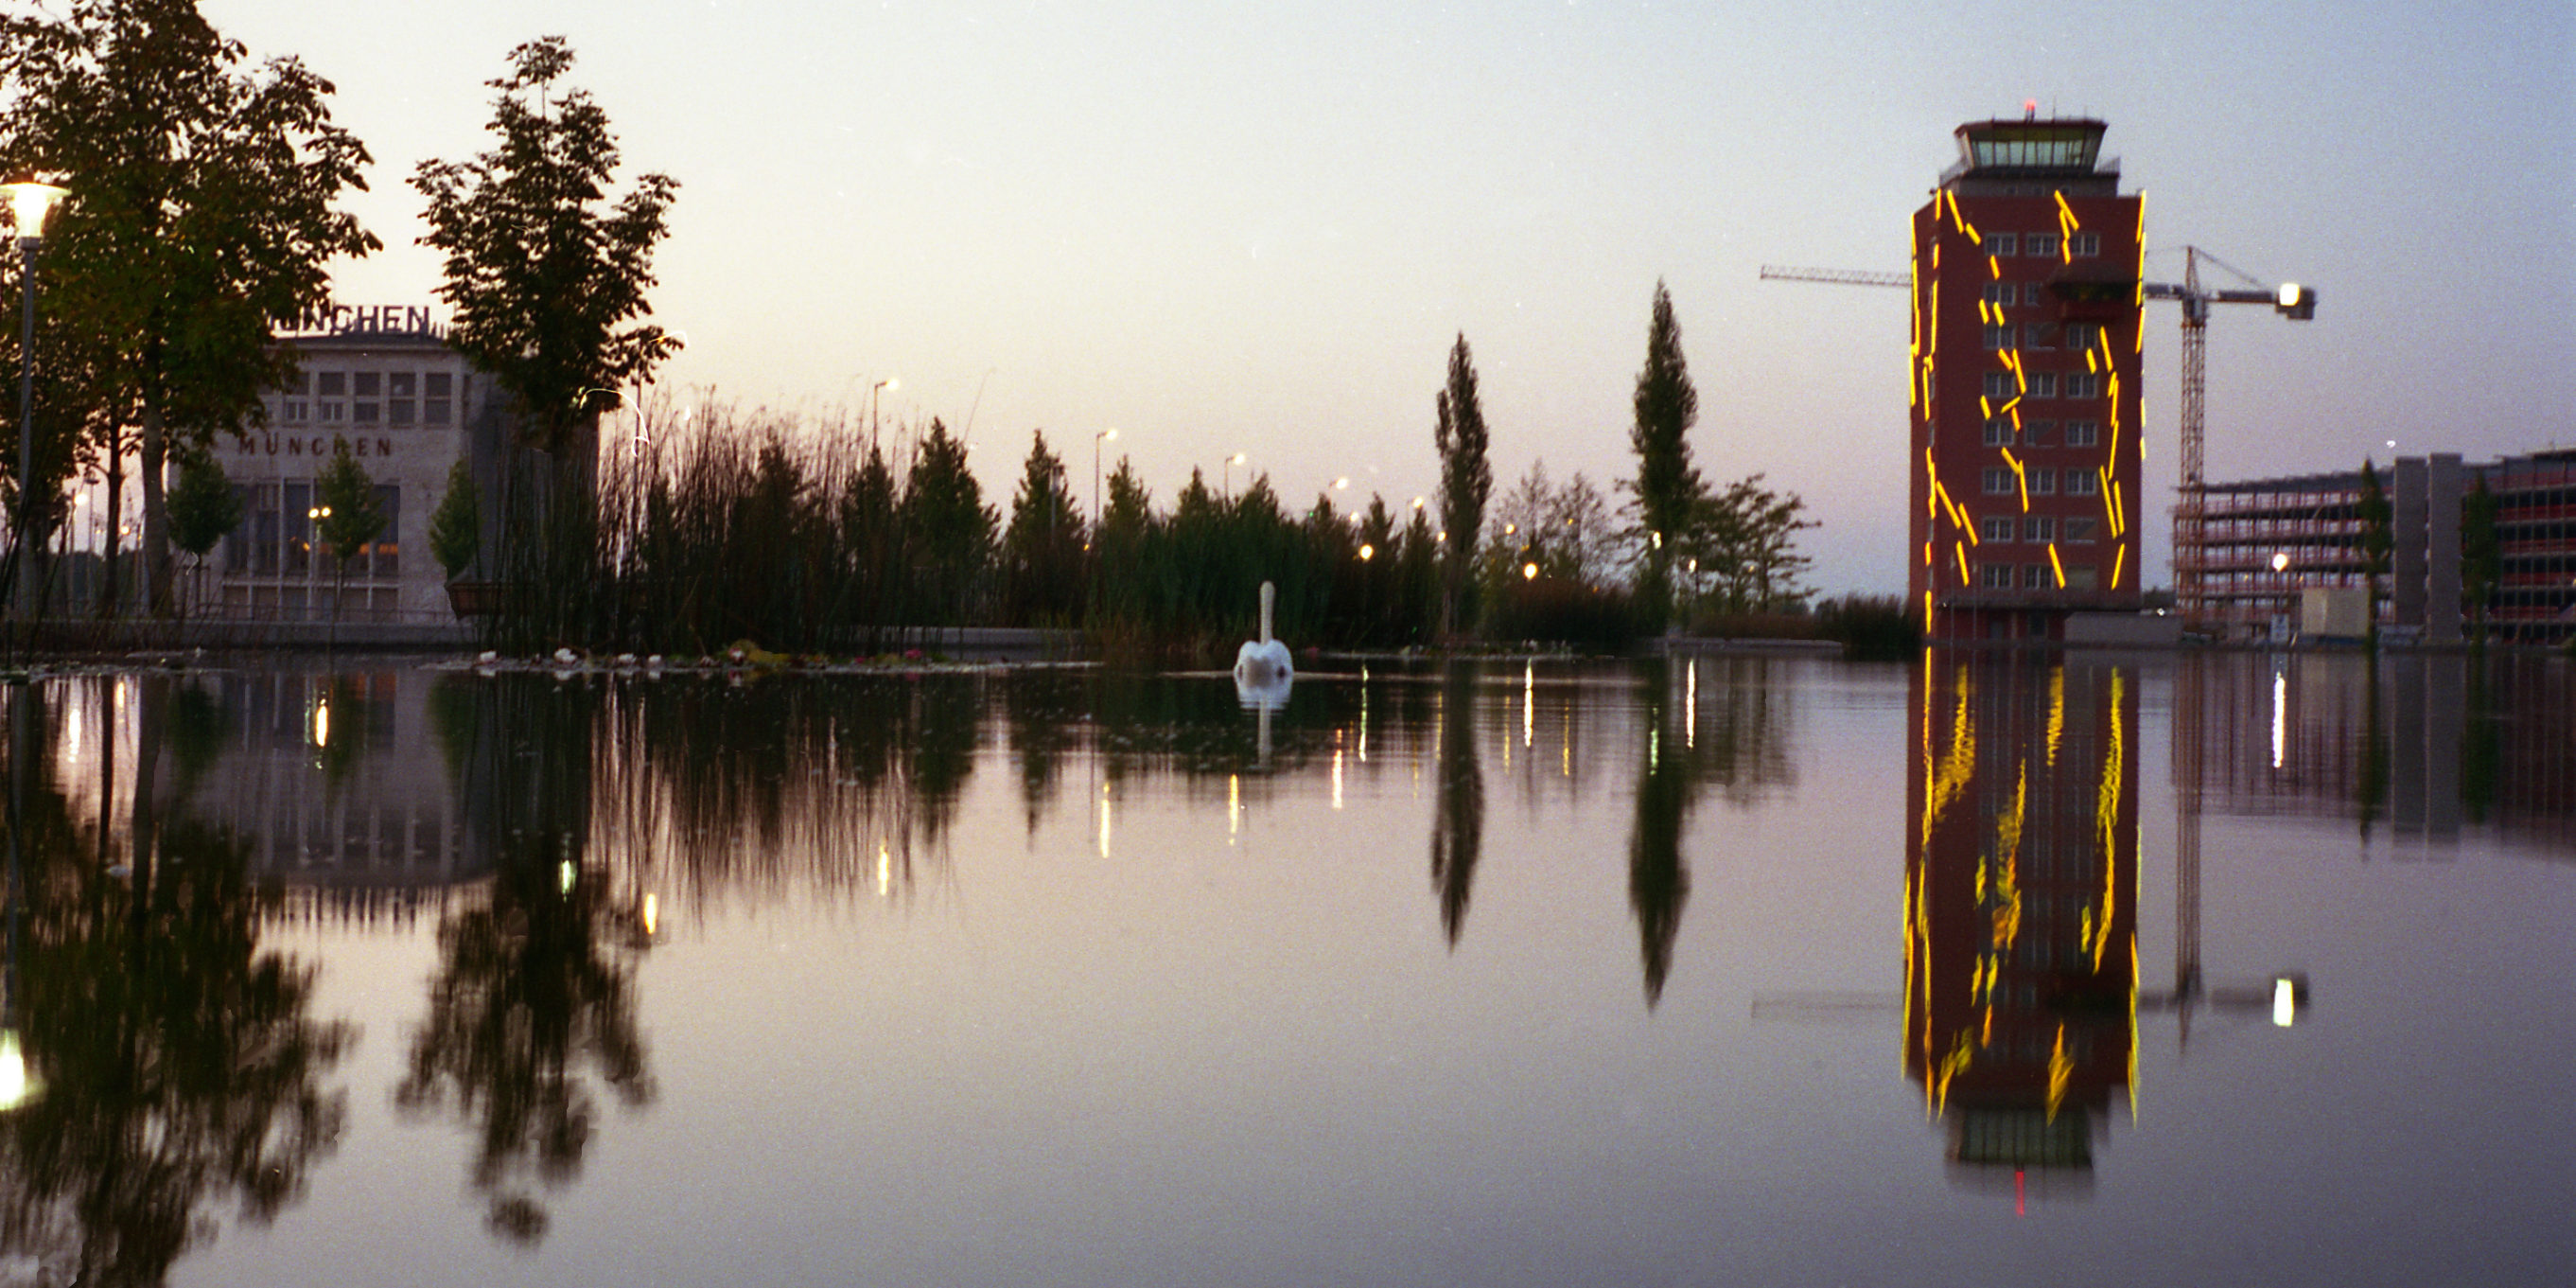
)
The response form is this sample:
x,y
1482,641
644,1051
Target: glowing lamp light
x,y
1367,552
2285,1001
1529,572
18,1084
29,203
2281,561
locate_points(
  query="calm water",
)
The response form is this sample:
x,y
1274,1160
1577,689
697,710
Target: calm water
x,y
1741,972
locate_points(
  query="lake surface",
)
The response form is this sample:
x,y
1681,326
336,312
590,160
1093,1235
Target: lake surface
x,y
2236,969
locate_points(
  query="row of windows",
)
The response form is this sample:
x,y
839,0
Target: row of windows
x,y
2043,482
2071,336
392,411
276,537
2078,245
2003,385
2002,576
372,384
2041,433
2037,527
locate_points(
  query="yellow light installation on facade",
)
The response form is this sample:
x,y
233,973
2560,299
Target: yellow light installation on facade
x,y
2119,556
1961,549
2059,568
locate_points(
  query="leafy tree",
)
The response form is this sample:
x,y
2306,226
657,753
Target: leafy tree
x,y
1466,478
1042,551
204,507
544,275
351,516
2377,540
456,526
1669,496
200,222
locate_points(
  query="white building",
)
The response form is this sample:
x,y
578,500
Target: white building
x,y
384,381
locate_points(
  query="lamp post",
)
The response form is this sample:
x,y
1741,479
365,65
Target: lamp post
x,y
1230,462
887,383
1096,440
29,203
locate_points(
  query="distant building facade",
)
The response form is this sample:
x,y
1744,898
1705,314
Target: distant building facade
x,y
2266,541
385,382
2025,391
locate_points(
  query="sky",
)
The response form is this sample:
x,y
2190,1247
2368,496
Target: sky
x,y
1257,228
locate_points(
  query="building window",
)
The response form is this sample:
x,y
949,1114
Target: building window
x,y
2039,527
2042,243
2083,483
2001,385
370,384
1999,481
263,529
2083,335
2034,576
2083,384
1994,576
1999,335
399,410
2034,293
2043,482
364,413
335,384
331,412
1995,527
399,384
2001,292
2083,433
2083,245
2080,530
2037,433
2034,336
2083,577
296,411
2043,384
2001,244
1999,431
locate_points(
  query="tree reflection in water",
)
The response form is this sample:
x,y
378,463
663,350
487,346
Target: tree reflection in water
x,y
1723,722
535,992
1458,836
179,1065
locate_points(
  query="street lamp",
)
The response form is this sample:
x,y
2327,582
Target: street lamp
x,y
1096,440
29,203
1230,462
887,383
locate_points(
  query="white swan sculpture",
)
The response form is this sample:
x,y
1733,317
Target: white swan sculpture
x,y
1263,663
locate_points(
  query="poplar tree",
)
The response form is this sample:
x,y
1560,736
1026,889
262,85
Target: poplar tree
x,y
200,223
1668,492
1466,479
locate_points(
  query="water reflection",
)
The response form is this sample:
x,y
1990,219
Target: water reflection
x,y
2021,985
1458,832
534,997
178,1067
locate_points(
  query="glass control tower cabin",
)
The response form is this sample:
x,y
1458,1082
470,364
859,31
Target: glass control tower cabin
x,y
2026,458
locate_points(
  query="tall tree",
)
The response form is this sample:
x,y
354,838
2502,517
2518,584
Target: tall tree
x,y
545,276
1042,551
200,222
1466,478
1669,494
948,528
2377,540
204,509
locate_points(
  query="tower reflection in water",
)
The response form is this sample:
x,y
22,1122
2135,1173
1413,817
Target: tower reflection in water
x,y
2021,874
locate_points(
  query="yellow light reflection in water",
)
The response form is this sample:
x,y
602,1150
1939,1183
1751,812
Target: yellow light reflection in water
x,y
1529,702
1104,820
1233,806
1337,778
18,1084
2280,717
652,914
1690,706
885,869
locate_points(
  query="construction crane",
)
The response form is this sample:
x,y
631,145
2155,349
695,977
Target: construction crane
x,y
2291,300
